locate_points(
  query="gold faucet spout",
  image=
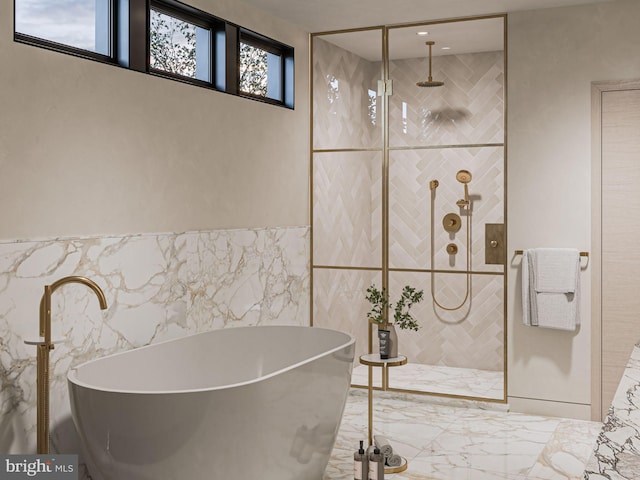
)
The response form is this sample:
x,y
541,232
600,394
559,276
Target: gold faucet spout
x,y
43,353
45,302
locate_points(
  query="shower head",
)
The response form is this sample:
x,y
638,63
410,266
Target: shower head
x,y
463,176
430,82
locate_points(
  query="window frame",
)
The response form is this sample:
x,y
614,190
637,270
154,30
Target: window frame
x,y
193,16
130,45
285,52
71,50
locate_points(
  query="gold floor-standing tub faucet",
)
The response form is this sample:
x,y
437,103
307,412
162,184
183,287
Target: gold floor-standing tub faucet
x,y
44,347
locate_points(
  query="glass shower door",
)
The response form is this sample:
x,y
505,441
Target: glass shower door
x,y
446,184
347,184
392,165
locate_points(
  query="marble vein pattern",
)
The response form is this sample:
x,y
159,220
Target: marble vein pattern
x,y
447,442
158,286
616,455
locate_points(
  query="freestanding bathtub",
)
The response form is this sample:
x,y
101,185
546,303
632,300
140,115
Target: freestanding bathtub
x,y
233,404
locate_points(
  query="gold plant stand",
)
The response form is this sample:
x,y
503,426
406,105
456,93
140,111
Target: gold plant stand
x,y
374,360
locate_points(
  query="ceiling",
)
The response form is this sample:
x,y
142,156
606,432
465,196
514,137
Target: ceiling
x,y
324,15
454,38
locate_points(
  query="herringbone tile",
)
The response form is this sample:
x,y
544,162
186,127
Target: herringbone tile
x,y
468,109
347,197
339,302
345,105
410,205
471,337
347,202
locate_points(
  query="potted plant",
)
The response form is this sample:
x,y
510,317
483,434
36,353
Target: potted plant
x,y
379,313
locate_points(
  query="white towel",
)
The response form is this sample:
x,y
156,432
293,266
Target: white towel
x,y
527,280
394,460
551,288
556,269
384,445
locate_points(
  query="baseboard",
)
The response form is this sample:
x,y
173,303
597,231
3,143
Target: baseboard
x,y
550,408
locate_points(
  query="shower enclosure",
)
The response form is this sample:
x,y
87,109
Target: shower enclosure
x,y
408,188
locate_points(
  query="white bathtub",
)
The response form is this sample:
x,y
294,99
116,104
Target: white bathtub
x,y
232,404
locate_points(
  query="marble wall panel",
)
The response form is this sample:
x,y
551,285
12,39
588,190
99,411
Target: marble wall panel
x,y
157,287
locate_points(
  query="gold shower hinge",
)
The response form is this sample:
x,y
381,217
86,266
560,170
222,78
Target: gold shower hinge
x,y
385,87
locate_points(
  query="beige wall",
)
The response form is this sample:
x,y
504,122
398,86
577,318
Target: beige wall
x,y
87,148
553,57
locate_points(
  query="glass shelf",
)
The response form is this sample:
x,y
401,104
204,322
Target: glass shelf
x,y
374,360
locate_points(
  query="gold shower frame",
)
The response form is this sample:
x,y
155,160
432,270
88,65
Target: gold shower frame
x,y
385,149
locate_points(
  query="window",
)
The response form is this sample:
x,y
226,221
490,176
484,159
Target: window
x,y
74,25
254,70
178,46
266,69
162,37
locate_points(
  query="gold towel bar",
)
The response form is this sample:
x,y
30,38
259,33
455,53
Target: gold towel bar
x,y
582,254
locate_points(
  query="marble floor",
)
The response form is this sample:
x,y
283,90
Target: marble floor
x,y
469,382
448,442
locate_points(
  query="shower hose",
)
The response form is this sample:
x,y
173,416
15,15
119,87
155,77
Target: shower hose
x,y
468,273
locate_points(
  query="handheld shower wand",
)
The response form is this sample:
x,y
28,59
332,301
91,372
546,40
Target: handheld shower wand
x,y
464,177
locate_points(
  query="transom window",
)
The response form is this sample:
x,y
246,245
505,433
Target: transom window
x,y
266,68
165,38
254,70
179,47
80,24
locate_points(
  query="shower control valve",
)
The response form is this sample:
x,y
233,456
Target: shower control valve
x,y
494,243
451,222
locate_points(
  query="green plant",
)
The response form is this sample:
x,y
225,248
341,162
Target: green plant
x,y
380,305
379,301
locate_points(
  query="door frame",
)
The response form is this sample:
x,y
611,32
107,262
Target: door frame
x,y
597,90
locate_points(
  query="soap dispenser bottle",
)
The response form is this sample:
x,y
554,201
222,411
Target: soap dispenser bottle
x,y
376,465
360,464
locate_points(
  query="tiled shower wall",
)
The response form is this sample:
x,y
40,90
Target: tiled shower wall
x,y
468,110
158,287
344,100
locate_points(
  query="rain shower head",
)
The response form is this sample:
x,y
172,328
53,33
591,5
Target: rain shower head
x,y
430,82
